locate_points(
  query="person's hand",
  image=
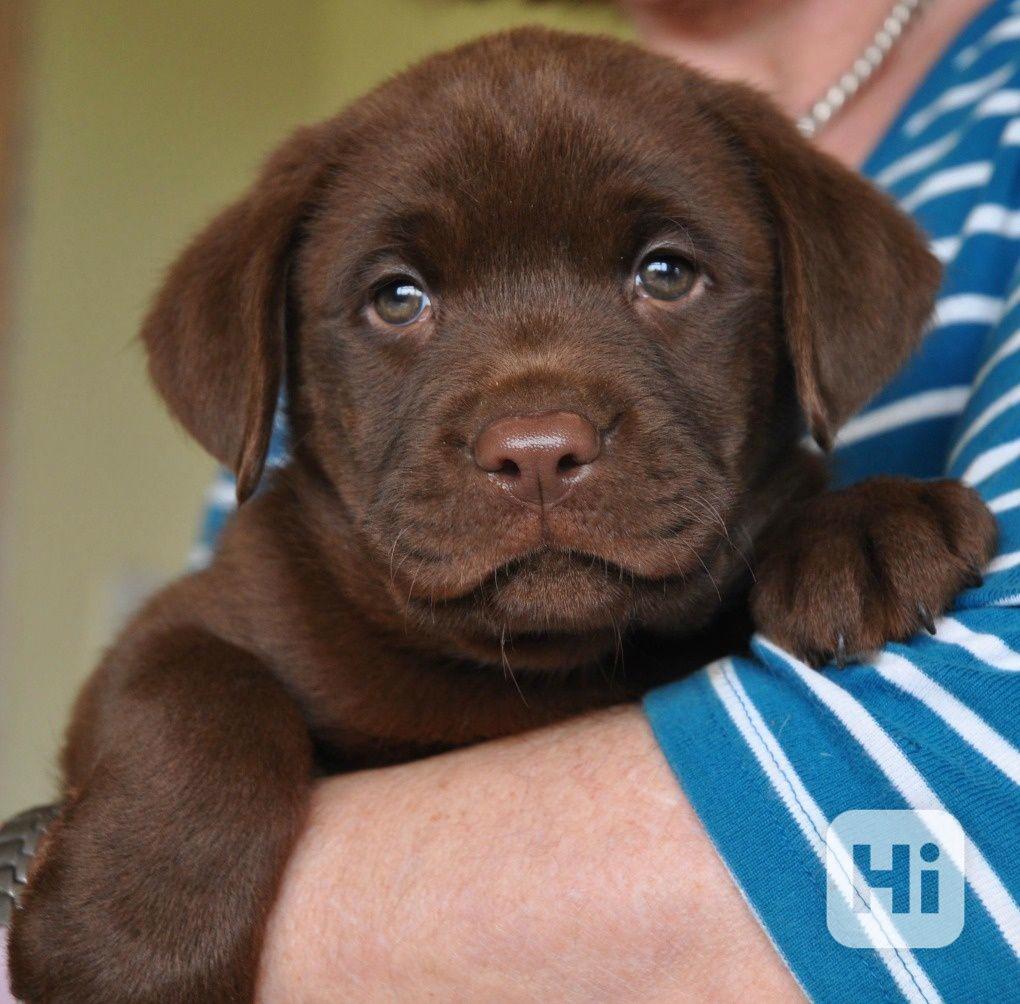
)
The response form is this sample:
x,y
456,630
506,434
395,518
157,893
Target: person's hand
x,y
561,865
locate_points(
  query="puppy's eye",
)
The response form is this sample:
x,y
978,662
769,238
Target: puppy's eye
x,y
665,276
400,302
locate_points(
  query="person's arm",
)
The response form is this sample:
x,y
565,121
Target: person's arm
x,y
560,865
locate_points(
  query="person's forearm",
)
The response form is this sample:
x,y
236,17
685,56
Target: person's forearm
x,y
563,865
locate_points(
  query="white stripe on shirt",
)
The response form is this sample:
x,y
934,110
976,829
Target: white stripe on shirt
x,y
967,308
988,415
1006,501
984,219
199,556
879,928
952,179
1006,349
1000,103
991,462
1003,562
973,729
906,411
957,97
1011,134
988,648
920,159
946,248
995,105
1004,31
222,493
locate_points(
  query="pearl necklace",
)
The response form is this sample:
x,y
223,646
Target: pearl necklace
x,y
864,67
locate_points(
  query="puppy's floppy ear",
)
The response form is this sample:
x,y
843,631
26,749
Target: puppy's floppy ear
x,y
858,281
215,333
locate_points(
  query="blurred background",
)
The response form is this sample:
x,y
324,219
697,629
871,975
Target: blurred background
x,y
123,125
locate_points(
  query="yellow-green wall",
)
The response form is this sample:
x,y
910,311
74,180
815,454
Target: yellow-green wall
x,y
143,117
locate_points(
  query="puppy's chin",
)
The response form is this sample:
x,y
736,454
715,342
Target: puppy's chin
x,y
546,652
549,610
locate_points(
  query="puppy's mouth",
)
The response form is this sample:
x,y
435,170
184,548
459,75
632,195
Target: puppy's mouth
x,y
550,590
545,589
538,599
537,559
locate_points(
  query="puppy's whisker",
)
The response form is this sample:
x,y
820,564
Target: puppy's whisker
x,y
508,670
743,557
414,579
619,658
723,529
394,573
676,561
725,533
711,578
393,552
701,561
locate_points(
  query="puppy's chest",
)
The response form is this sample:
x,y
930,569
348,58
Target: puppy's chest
x,y
393,710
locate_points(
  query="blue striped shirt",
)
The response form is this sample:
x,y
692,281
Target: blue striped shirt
x,y
770,751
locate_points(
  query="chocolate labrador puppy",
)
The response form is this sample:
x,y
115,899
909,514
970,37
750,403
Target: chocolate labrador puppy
x,y
553,316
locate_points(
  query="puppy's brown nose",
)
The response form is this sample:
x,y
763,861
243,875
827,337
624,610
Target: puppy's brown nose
x,y
538,458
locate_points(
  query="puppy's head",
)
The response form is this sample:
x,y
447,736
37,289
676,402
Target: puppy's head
x,y
549,310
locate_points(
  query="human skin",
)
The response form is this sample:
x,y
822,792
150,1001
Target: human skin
x,y
750,40
567,864
563,865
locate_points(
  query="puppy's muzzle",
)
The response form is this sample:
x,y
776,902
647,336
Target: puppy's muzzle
x,y
538,459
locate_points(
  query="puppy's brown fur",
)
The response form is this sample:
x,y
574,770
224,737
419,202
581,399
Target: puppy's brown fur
x,y
379,600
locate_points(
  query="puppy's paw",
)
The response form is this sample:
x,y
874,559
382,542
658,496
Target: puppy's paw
x,y
40,934
98,925
63,946
874,563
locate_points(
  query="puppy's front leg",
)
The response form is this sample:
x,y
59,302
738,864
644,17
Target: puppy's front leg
x,y
853,569
188,770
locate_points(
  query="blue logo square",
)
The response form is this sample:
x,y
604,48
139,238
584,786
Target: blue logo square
x,y
895,878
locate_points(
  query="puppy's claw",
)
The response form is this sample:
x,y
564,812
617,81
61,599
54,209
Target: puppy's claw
x,y
926,618
839,656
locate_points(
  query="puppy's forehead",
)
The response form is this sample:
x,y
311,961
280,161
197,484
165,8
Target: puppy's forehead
x,y
515,152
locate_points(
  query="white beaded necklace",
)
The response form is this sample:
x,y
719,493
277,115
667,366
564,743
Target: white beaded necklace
x,y
864,67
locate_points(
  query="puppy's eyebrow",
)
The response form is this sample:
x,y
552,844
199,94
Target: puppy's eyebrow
x,y
653,218
407,226
413,236
397,241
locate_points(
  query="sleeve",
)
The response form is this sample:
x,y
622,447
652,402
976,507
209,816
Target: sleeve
x,y
772,754
221,499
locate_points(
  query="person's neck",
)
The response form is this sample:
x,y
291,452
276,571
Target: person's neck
x,y
797,50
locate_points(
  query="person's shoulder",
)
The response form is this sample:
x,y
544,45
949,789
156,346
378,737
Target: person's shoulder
x,y
965,111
